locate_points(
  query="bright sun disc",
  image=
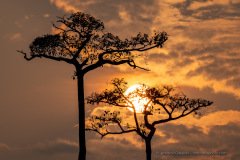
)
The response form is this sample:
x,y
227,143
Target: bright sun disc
x,y
138,101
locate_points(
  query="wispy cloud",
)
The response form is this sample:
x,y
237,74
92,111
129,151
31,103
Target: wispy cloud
x,y
67,6
219,138
4,147
15,36
56,147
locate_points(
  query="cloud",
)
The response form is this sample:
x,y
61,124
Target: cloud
x,y
116,15
205,9
118,151
203,44
206,123
48,150
221,100
200,52
46,15
65,5
4,147
218,68
220,138
174,138
56,147
15,36
234,81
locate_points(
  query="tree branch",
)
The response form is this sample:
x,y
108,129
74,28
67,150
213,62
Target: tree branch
x,y
183,114
146,114
84,43
45,56
108,132
102,62
132,106
140,49
68,24
164,107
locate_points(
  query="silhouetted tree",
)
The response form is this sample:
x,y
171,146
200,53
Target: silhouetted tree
x,y
80,40
162,105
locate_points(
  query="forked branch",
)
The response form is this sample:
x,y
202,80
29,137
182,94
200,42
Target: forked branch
x,y
164,100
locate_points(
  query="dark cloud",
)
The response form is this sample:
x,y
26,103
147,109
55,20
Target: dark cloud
x,y
207,42
56,147
234,81
221,100
48,150
112,149
4,147
179,60
219,139
135,9
161,57
212,11
121,16
219,68
217,61
214,47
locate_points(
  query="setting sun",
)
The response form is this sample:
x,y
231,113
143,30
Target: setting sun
x,y
134,95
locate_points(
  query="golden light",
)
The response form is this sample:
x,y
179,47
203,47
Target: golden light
x,y
134,95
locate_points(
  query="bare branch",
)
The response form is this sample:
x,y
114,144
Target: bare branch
x,y
109,132
186,111
146,114
25,55
101,122
84,43
100,63
163,97
61,29
117,85
45,56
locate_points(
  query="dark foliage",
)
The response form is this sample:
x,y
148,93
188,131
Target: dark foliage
x,y
80,40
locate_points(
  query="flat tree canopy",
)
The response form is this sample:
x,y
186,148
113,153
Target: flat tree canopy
x,y
81,40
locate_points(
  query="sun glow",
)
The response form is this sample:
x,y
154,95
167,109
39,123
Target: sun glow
x,y
134,95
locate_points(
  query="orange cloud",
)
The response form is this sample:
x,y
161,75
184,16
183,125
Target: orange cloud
x,y
65,5
4,147
219,118
15,36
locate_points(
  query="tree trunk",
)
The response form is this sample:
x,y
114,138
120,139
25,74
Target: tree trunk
x,y
81,116
148,149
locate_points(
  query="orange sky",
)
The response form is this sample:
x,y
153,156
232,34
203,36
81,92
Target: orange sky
x,y
38,105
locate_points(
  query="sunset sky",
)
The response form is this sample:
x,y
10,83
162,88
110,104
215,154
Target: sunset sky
x,y
38,99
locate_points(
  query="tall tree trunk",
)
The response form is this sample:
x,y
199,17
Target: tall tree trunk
x,y
148,149
81,116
